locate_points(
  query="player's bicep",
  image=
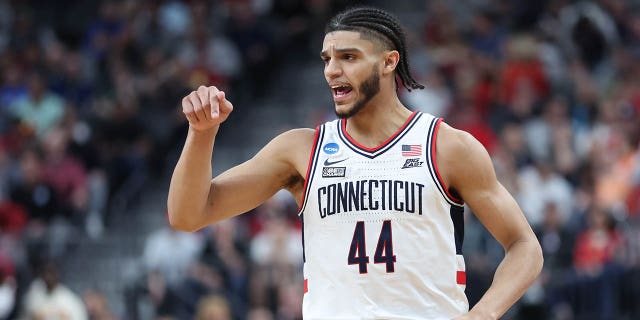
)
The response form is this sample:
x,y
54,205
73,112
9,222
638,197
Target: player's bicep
x,y
500,214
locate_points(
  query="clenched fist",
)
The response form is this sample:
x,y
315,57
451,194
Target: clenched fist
x,y
206,108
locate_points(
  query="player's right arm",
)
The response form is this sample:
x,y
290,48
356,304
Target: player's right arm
x,y
195,200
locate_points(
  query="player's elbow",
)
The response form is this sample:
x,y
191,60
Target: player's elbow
x,y
530,253
538,257
179,222
535,258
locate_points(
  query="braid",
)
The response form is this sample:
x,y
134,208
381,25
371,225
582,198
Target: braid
x,y
380,25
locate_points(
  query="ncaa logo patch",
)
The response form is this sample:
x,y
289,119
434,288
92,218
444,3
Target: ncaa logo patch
x,y
331,148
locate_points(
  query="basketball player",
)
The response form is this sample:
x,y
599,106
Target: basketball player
x,y
380,190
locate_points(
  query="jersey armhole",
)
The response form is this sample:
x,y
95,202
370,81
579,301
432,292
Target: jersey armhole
x,y
433,165
313,159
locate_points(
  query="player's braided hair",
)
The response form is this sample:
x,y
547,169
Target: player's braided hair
x,y
380,25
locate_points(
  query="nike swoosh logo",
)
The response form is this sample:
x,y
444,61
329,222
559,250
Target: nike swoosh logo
x,y
328,163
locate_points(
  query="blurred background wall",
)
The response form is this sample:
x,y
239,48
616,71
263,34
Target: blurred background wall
x,y
91,127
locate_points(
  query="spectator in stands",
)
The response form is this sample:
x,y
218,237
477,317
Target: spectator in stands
x,y
539,185
254,38
47,298
13,88
289,301
66,174
260,314
276,244
13,219
225,252
556,241
8,288
171,252
97,305
29,189
615,169
522,74
554,136
40,110
213,307
597,245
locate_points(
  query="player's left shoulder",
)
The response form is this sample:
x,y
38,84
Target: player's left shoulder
x,y
460,155
454,144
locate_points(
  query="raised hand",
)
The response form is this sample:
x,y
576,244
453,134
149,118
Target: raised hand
x,y
206,108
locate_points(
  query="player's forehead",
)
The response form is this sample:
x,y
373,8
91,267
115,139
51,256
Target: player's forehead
x,y
346,39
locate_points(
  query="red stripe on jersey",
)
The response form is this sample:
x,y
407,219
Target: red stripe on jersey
x,y
461,278
435,165
306,285
311,156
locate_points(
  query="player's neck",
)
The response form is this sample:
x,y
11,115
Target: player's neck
x,y
378,121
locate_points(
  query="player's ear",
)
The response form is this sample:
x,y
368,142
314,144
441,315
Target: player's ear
x,y
391,59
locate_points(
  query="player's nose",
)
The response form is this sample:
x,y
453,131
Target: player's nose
x,y
332,69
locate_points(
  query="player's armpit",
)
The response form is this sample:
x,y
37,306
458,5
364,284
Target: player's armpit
x,y
280,163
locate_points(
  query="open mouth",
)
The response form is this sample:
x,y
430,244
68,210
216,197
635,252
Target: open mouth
x,y
341,91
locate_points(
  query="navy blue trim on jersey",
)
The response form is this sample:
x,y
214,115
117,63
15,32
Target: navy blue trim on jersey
x,y
312,168
457,217
432,169
378,151
304,257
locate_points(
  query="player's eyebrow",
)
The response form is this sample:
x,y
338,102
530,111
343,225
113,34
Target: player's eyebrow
x,y
325,53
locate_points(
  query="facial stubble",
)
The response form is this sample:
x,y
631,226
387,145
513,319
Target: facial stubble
x,y
368,89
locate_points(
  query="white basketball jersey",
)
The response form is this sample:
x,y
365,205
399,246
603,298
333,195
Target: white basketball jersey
x,y
382,236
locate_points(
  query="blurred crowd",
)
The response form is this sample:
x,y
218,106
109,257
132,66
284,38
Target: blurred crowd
x,y
89,112
248,267
552,89
89,115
